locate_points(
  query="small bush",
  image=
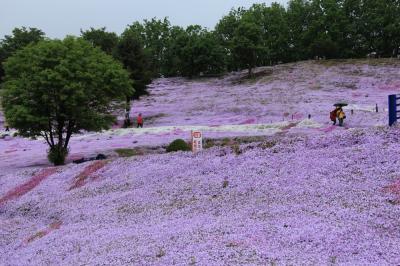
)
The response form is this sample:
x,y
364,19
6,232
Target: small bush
x,y
226,142
57,155
178,145
236,149
209,143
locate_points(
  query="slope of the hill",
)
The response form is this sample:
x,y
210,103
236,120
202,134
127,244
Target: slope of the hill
x,y
277,94
278,100
311,193
293,200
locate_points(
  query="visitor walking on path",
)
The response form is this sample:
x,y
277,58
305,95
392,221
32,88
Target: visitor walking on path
x,y
140,121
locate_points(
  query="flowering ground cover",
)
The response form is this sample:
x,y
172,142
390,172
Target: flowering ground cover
x,y
292,199
301,192
232,106
28,186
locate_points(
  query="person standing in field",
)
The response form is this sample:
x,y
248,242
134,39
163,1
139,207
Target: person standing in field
x,y
341,116
333,116
140,121
7,127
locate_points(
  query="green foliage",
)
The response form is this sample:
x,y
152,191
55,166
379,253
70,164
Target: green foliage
x,y
132,55
172,58
106,41
178,145
57,155
126,152
59,87
154,35
20,38
243,39
247,43
199,53
225,32
297,15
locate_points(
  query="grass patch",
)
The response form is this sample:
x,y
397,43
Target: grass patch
x,y
127,152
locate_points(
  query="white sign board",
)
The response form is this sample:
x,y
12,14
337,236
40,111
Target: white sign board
x,y
197,141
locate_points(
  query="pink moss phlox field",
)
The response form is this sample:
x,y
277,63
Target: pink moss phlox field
x,y
394,189
89,172
303,192
304,199
53,226
27,186
289,93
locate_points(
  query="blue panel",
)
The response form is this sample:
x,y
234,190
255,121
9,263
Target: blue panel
x,y
392,109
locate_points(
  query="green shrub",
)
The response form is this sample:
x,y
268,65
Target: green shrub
x,y
236,149
178,145
126,152
57,155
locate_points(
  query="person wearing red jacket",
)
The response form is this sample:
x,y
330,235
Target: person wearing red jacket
x,y
333,115
140,121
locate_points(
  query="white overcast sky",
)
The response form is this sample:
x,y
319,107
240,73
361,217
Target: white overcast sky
x,y
58,18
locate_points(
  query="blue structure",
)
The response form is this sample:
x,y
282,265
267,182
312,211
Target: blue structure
x,y
393,113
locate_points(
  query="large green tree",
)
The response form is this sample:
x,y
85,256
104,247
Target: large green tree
x,y
225,32
19,38
247,43
59,87
275,32
131,53
171,63
381,26
154,35
199,52
107,41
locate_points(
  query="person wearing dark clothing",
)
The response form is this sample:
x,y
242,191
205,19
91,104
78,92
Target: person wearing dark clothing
x,y
333,116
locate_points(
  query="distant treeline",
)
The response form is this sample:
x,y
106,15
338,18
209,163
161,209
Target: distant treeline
x,y
243,39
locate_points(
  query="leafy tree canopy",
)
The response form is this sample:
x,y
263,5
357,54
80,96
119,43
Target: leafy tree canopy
x,y
58,87
132,55
107,41
20,38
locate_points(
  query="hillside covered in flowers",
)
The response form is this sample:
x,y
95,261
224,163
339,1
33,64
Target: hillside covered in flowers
x,y
280,189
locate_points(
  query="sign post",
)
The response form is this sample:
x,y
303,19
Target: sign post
x,y
197,141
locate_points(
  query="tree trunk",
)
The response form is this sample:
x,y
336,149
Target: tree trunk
x,y
250,74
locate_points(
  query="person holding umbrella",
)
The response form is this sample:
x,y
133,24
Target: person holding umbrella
x,y
340,114
333,115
